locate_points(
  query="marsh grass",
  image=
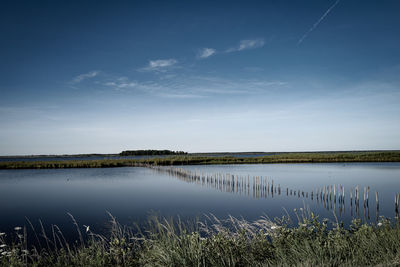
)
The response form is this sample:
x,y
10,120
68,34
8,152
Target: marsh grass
x,y
212,242
303,157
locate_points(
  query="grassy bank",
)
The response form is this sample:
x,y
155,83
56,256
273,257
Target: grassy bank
x,y
303,157
213,243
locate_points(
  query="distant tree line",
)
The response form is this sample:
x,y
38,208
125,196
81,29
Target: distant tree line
x,y
150,152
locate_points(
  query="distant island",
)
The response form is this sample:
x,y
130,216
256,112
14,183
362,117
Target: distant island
x,y
151,152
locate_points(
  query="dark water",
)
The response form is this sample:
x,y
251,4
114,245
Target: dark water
x,y
131,194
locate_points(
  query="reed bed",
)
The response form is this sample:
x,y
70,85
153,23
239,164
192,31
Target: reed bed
x,y
211,242
304,157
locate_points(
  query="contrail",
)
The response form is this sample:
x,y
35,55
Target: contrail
x,y
317,23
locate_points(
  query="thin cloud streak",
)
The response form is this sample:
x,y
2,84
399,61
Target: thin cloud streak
x,y
246,45
179,96
121,83
160,64
317,23
243,45
211,86
184,86
85,76
207,52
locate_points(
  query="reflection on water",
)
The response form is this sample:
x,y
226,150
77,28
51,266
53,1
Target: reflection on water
x,y
331,197
344,191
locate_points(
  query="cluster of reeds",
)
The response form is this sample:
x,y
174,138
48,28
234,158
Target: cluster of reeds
x,y
211,242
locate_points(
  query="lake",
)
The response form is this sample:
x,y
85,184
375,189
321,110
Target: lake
x,y
131,194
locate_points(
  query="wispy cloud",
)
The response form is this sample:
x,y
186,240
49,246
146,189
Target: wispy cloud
x,y
211,86
179,96
190,86
243,45
121,86
207,52
246,45
317,23
85,76
160,64
121,82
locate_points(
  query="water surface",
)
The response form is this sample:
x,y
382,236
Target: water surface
x,y
131,194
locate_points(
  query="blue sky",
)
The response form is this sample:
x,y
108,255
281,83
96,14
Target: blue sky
x,y
106,76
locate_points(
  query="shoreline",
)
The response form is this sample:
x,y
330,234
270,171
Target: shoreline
x,y
300,157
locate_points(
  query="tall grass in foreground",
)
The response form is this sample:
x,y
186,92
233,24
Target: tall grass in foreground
x,y
232,242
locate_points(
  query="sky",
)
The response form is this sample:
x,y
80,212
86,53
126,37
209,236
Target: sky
x,y
199,76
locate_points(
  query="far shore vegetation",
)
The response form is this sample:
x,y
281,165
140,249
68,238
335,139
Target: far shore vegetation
x,y
188,159
141,152
150,152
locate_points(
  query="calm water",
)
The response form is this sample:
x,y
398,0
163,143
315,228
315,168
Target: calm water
x,y
131,194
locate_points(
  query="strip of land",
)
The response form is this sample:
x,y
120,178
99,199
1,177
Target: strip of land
x,y
282,157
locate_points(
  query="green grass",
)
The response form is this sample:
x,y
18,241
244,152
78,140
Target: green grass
x,y
215,243
303,157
